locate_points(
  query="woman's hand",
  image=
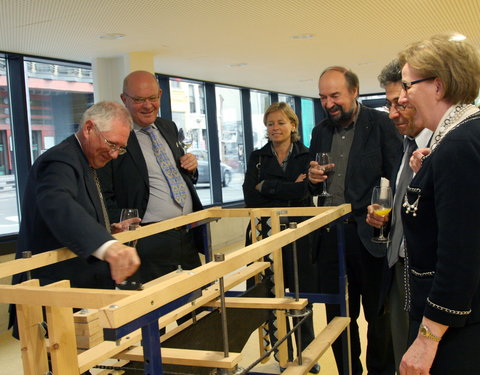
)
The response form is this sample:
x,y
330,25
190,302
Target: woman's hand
x,y
418,157
301,177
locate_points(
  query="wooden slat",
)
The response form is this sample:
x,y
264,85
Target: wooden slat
x,y
137,305
261,303
65,297
61,334
187,357
318,346
32,341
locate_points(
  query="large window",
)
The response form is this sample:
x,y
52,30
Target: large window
x,y
8,194
259,102
231,142
290,100
308,120
187,99
58,94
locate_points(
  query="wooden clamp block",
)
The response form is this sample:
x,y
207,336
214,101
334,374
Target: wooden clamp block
x,y
87,329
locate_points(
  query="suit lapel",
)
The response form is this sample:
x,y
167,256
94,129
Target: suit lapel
x,y
362,132
135,153
88,179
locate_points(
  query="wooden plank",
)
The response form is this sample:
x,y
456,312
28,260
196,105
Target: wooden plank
x,y
318,346
261,303
187,357
32,341
108,349
142,302
65,297
38,260
61,334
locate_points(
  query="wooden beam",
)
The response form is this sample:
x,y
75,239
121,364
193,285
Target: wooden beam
x,y
61,297
186,357
32,340
61,335
261,303
318,346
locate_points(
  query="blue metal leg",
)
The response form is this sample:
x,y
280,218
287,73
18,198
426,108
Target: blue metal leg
x,y
343,292
151,349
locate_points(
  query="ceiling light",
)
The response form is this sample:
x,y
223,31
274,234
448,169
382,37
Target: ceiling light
x,y
302,36
111,36
238,65
457,37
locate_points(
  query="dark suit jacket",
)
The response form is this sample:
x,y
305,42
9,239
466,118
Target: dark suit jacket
x,y
125,182
375,150
61,207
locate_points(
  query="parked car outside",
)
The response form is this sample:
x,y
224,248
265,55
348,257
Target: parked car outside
x,y
204,168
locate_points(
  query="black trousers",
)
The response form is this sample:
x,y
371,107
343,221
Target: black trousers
x,y
365,278
163,252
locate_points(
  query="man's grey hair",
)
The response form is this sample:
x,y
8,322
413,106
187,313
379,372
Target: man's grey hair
x,y
392,73
103,113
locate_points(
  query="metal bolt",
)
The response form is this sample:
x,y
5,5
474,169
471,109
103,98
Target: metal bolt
x,y
113,307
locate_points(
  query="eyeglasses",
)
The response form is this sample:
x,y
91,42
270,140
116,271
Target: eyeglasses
x,y
113,146
138,100
407,85
398,107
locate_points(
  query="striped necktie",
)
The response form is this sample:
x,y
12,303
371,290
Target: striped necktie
x,y
102,202
169,170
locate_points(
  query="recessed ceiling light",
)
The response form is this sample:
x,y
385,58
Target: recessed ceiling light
x,y
366,63
111,36
238,65
458,37
302,36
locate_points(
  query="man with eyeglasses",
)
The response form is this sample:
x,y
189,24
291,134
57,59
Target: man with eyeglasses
x,y
62,205
414,137
156,177
364,146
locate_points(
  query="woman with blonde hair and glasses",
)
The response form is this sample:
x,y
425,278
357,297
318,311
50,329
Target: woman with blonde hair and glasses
x,y
441,78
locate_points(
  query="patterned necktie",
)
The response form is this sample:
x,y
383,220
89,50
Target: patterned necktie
x,y
102,202
171,173
397,227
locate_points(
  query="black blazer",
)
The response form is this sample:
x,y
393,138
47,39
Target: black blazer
x,y
375,150
61,207
125,181
279,188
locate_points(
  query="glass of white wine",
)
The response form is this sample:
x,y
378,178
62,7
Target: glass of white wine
x,y
186,139
130,213
382,199
324,159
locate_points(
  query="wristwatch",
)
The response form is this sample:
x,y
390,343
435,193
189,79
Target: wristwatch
x,y
425,331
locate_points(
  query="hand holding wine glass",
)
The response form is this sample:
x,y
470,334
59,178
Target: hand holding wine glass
x,y
324,161
382,200
186,139
128,214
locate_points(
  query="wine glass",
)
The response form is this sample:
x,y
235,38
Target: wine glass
x,y
323,159
382,205
130,213
186,139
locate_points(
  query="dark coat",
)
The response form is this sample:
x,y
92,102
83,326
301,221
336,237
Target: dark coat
x,y
375,151
280,190
61,208
443,239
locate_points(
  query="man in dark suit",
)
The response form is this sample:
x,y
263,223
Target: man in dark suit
x,y
364,146
62,205
414,137
156,177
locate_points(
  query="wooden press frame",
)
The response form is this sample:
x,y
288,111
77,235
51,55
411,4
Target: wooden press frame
x,y
130,316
